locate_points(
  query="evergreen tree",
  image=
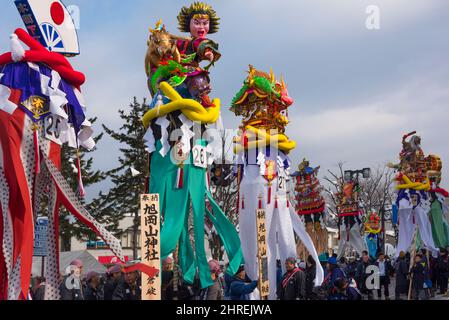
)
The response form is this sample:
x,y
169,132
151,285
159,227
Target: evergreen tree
x,y
124,197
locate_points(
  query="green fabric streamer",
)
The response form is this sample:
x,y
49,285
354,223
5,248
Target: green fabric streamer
x,y
176,204
228,235
439,227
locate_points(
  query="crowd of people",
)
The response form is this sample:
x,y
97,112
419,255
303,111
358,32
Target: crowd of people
x,y
348,278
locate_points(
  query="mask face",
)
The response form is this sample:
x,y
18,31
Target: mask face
x,y
199,28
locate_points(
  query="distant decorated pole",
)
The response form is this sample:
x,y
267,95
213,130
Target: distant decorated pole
x,y
262,149
150,245
264,286
418,195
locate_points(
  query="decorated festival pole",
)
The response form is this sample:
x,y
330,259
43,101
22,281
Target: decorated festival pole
x,y
150,245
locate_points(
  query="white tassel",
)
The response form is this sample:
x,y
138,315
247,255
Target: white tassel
x,y
17,51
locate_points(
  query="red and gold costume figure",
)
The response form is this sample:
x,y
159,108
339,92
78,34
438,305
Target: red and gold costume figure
x,y
419,196
349,217
310,206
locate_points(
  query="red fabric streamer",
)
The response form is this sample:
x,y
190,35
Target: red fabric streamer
x,y
40,54
180,178
144,268
441,191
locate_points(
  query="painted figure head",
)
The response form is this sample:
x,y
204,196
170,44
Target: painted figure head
x,y
199,19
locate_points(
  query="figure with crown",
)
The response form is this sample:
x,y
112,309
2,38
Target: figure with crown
x,y
372,230
262,150
181,150
310,206
419,196
349,216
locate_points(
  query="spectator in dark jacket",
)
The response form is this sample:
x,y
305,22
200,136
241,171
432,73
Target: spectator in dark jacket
x,y
293,282
401,271
93,290
351,268
38,291
418,273
115,276
213,292
227,286
71,287
334,272
343,291
310,276
362,275
239,287
384,275
129,289
442,266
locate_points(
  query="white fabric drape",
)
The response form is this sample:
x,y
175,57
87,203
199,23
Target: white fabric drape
x,y
411,218
281,224
355,240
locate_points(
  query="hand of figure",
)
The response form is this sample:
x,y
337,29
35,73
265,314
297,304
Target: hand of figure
x,y
209,55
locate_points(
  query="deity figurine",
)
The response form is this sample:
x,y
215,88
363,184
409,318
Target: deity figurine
x,y
310,206
180,155
177,59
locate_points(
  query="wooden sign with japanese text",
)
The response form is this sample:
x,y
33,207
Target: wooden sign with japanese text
x,y
150,244
264,286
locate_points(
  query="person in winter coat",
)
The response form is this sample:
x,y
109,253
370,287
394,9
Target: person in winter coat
x,y
71,287
92,290
333,273
129,289
38,291
227,284
293,282
215,291
385,269
343,291
418,273
115,276
401,271
240,288
442,266
310,276
362,275
351,268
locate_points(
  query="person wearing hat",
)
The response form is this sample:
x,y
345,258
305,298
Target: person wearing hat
x,y
401,271
92,290
333,272
71,287
241,287
115,276
293,282
129,289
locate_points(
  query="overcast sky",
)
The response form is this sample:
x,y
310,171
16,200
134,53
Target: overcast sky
x,y
357,91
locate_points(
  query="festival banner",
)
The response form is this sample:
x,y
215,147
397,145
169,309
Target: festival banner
x,y
150,245
264,287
